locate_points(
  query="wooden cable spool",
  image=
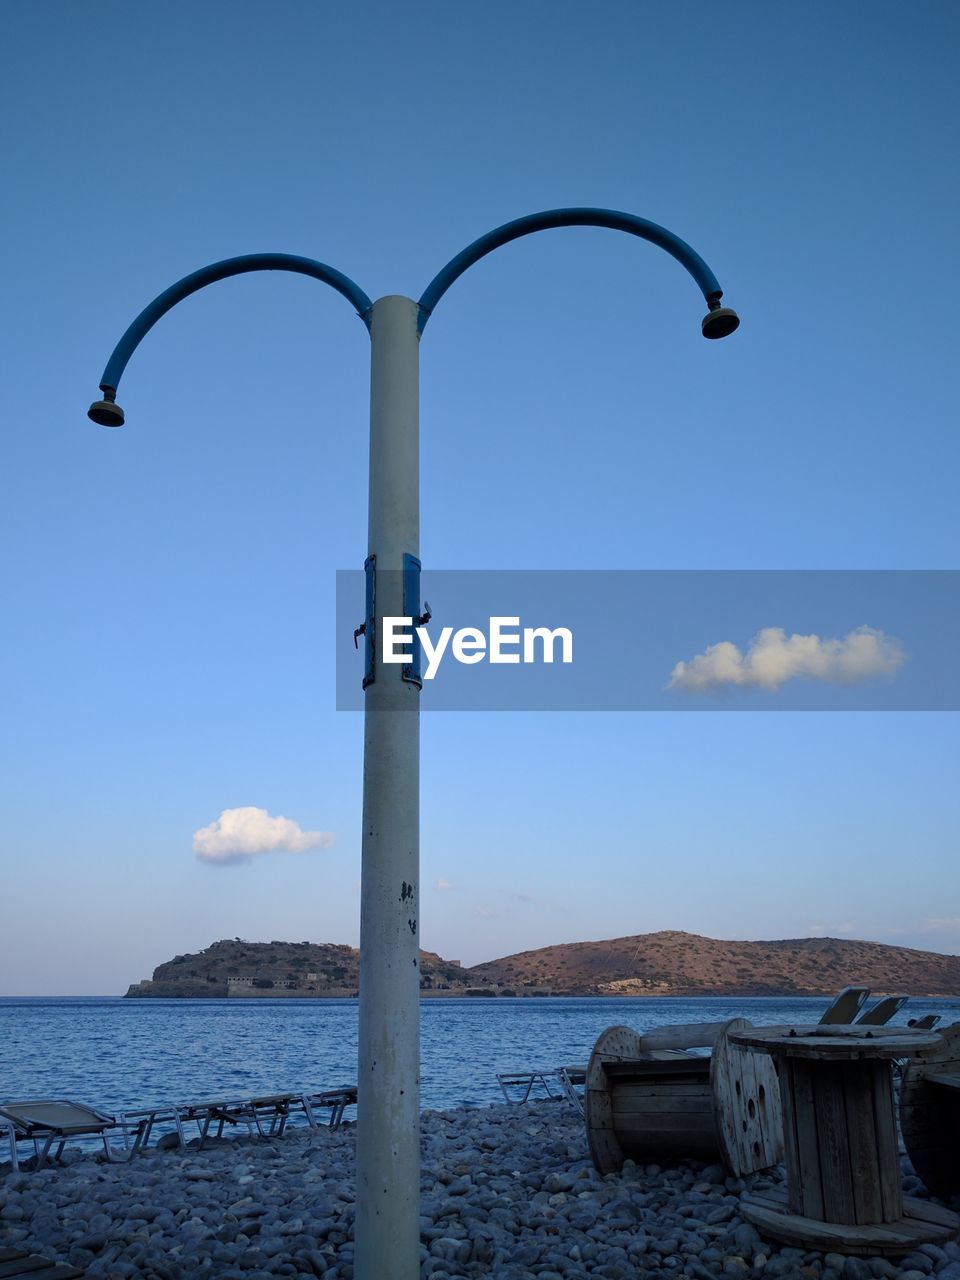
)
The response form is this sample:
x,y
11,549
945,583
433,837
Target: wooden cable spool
x,y
649,1103
930,1113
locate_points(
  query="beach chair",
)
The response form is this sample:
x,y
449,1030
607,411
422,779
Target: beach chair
x,y
926,1023
45,1121
882,1011
267,1115
846,1005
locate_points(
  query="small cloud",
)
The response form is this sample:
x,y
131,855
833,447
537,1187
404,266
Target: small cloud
x,y
484,913
937,923
529,899
443,886
816,930
241,834
772,658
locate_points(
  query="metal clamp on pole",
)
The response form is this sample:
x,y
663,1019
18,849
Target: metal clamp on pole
x,y
411,609
369,628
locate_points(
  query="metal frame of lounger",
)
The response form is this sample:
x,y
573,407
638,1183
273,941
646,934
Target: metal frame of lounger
x,y
250,1111
569,1078
527,1081
43,1132
336,1099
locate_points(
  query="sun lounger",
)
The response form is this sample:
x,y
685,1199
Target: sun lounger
x,y
268,1115
882,1011
265,1115
846,1005
926,1023
46,1121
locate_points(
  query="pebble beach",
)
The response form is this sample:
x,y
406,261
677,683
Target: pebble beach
x,y
507,1192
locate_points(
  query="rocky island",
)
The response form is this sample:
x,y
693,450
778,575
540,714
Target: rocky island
x,y
668,963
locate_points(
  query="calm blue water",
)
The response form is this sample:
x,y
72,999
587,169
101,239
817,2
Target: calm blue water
x,y
119,1054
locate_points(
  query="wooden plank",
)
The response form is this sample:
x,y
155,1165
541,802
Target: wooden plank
x,y
788,1119
927,1211
747,1101
728,1067
690,1035
768,1103
47,1271
626,1122
635,1109
838,1042
658,1068
943,1081
25,1266
868,1202
880,1075
674,1144
605,1150
836,1174
662,1090
768,1214
807,1180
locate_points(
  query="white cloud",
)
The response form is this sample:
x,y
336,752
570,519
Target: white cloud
x,y
772,658
935,923
241,834
443,886
484,913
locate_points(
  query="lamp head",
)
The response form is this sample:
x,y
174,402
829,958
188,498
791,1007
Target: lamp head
x,y
719,321
106,412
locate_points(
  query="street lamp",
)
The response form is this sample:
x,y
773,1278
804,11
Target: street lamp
x,y
388,1130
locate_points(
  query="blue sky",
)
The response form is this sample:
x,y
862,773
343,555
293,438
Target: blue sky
x,y
169,589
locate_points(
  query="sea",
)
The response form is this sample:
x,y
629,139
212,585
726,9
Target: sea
x,y
118,1054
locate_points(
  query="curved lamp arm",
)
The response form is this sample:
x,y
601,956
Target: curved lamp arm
x,y
717,324
109,414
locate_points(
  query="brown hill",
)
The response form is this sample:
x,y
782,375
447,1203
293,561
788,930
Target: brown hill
x,y
686,964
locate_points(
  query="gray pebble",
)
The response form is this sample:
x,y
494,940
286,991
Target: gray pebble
x,y
507,1194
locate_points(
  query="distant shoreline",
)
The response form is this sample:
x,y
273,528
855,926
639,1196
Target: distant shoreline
x,y
522,995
